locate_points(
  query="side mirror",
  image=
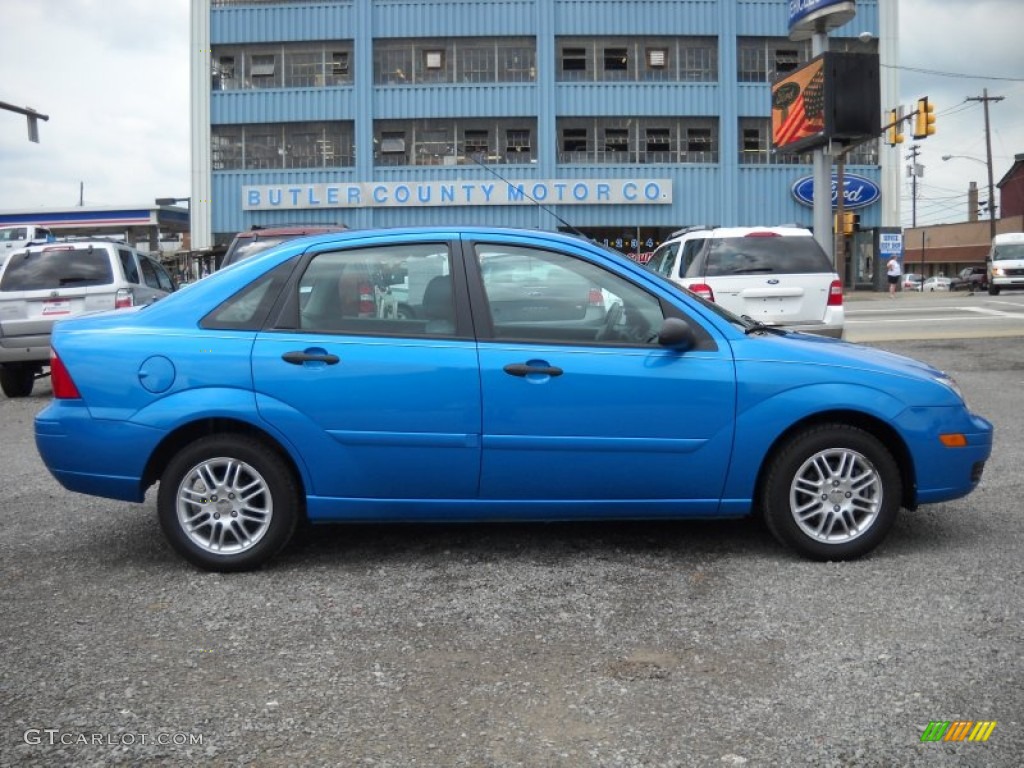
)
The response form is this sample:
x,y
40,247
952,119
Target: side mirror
x,y
677,334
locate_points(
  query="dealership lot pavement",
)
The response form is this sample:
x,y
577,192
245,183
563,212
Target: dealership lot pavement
x,y
662,644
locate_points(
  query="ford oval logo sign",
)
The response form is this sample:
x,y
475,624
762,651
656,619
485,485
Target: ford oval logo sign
x,y
859,191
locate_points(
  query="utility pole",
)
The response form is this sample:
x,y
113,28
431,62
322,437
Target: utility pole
x,y
985,99
915,150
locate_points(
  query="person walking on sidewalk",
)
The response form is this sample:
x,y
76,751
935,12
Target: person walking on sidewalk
x,y
893,271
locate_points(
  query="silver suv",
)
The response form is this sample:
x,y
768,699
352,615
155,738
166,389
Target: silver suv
x,y
42,284
777,276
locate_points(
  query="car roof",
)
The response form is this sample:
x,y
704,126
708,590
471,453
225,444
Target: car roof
x,y
788,230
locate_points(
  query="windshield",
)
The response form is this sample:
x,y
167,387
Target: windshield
x,y
250,247
1011,251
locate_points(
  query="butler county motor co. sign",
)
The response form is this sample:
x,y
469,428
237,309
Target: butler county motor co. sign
x,y
468,192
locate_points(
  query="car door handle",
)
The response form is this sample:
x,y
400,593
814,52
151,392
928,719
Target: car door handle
x,y
298,358
525,369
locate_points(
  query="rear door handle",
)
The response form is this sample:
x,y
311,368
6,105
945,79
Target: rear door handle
x,y
525,369
297,357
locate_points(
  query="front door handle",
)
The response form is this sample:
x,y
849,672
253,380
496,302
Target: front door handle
x,y
525,369
297,357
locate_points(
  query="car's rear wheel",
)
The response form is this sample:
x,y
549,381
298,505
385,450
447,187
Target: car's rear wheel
x,y
993,290
17,379
227,503
832,492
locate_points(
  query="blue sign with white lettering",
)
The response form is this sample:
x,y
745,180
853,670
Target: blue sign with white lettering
x,y
859,191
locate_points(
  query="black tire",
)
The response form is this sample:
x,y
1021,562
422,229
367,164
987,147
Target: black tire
x,y
17,379
832,492
228,532
993,291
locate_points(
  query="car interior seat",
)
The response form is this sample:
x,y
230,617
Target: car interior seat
x,y
437,306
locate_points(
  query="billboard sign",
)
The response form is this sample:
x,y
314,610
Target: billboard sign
x,y
835,97
798,108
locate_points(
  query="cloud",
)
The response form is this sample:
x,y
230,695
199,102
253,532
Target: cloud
x,y
113,77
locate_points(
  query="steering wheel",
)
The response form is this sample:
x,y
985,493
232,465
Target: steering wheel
x,y
611,319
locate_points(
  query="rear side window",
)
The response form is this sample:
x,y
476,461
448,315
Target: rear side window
x,y
131,271
52,268
777,255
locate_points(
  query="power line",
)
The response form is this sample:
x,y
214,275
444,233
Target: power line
x,y
953,74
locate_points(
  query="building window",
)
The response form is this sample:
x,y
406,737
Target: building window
x,y
698,63
658,145
459,60
670,59
616,142
574,140
786,60
616,63
450,142
574,63
476,142
518,145
657,58
755,140
339,63
282,145
761,59
699,145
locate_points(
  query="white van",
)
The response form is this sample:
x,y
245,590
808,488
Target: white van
x,y
1006,263
15,238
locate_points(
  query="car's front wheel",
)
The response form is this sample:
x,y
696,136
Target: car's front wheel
x,y
227,503
832,492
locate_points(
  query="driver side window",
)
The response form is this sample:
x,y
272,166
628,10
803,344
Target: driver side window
x,y
539,295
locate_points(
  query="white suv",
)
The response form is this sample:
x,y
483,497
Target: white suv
x,y
778,276
42,284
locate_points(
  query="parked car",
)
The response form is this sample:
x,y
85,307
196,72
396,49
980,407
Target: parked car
x,y
911,281
970,279
42,284
1006,263
936,283
14,238
779,276
260,397
253,241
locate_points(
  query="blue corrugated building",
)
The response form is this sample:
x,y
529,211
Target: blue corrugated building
x,y
625,120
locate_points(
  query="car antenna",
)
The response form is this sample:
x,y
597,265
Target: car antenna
x,y
474,157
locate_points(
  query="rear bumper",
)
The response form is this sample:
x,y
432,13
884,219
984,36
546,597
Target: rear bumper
x,y
67,436
20,349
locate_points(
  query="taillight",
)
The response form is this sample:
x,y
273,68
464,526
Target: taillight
x,y
595,297
703,290
60,380
367,306
835,294
124,298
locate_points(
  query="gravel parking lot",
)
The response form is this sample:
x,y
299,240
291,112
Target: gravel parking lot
x,y
655,644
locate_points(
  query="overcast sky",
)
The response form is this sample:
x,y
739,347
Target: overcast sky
x,y
113,77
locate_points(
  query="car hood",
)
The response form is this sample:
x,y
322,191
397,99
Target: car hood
x,y
820,350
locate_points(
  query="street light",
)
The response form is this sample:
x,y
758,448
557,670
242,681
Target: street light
x,y
991,191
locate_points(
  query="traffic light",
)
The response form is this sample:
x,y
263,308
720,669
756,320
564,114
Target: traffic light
x,y
895,123
924,120
846,224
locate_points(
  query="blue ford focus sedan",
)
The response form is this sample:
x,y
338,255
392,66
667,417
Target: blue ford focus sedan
x,y
471,374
